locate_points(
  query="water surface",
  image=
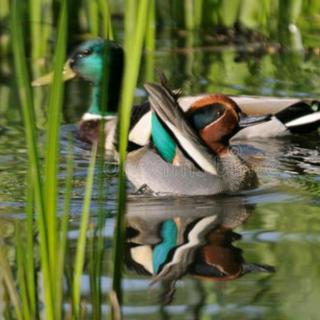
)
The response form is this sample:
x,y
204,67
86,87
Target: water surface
x,y
251,255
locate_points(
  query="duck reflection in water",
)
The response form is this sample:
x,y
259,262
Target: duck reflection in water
x,y
168,247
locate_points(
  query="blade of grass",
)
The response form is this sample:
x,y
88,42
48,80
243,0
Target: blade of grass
x,y
288,33
4,39
5,9
10,284
104,9
133,49
129,21
52,147
150,43
30,266
94,281
35,7
26,100
251,13
80,253
97,240
228,15
21,274
93,17
193,14
189,15
198,7
177,13
97,251
47,25
25,95
63,241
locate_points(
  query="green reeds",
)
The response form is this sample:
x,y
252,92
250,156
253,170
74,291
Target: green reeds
x,y
133,50
52,150
8,278
63,240
45,194
81,244
35,28
4,38
193,14
104,9
40,20
96,243
25,95
92,7
99,20
26,100
289,34
129,21
27,278
150,43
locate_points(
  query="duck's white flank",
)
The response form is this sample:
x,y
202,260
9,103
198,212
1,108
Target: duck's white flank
x,y
310,118
92,116
110,132
141,132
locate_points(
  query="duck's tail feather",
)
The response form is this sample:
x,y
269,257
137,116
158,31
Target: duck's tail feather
x,y
301,117
163,102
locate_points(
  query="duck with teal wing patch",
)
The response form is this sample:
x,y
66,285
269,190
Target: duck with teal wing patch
x,y
190,153
94,59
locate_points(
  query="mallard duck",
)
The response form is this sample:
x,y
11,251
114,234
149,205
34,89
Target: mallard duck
x,y
88,62
290,115
190,153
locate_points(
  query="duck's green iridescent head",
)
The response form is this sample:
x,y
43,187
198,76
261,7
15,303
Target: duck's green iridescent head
x,y
90,59
101,62
93,59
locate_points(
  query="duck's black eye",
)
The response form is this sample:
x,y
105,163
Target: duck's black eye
x,y
202,117
84,53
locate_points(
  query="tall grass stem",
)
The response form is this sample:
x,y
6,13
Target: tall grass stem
x,y
81,244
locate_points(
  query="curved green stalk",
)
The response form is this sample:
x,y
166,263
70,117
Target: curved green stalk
x,y
8,279
106,19
64,229
150,43
81,244
25,95
93,17
133,49
52,143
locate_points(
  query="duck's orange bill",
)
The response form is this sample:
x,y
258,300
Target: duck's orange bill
x,y
67,74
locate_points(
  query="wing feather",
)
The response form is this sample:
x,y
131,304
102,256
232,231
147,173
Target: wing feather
x,y
163,103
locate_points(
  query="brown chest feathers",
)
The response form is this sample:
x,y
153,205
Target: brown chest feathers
x,y
89,130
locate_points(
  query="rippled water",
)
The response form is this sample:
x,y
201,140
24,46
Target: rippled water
x,y
252,255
